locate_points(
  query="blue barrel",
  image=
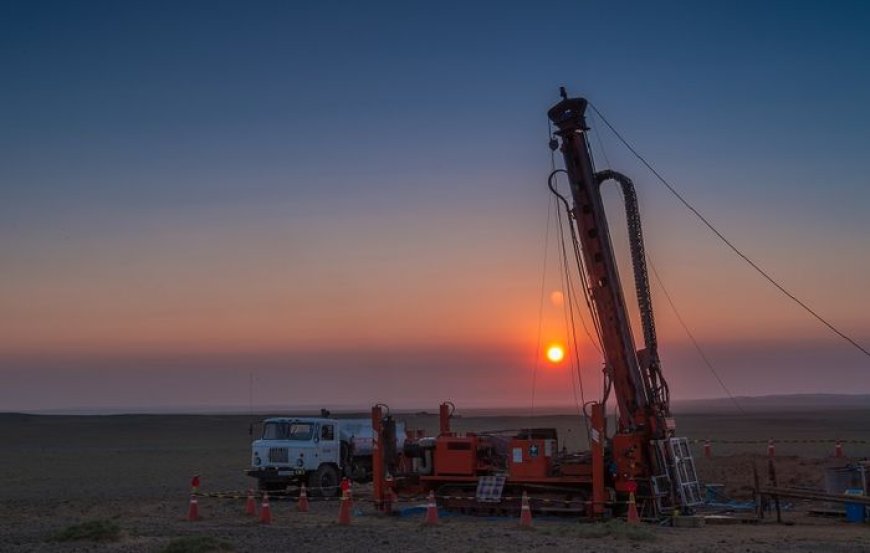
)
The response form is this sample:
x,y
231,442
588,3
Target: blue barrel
x,y
855,512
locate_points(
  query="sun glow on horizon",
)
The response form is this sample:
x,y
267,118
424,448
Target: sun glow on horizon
x,y
555,353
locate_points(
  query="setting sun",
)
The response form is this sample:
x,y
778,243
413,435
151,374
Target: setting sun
x,y
555,353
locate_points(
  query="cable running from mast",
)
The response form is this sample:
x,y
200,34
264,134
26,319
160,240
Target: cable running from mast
x,y
540,312
569,326
727,242
570,322
692,336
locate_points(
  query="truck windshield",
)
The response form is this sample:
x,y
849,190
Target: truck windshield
x,y
300,431
275,431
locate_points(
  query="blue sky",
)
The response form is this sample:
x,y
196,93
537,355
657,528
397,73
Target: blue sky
x,y
186,179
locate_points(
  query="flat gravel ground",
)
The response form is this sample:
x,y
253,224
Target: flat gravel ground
x,y
134,470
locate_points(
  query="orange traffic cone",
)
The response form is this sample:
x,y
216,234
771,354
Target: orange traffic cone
x,y
193,509
386,505
302,504
389,499
431,511
633,517
525,512
344,509
251,503
265,510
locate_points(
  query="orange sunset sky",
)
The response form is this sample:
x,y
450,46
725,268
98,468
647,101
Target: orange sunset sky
x,y
191,199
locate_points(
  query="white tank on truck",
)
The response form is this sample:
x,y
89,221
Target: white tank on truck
x,y
317,451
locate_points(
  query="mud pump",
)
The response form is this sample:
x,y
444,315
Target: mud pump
x,y
641,455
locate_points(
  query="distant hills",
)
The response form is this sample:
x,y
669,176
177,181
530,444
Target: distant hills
x,y
791,402
753,404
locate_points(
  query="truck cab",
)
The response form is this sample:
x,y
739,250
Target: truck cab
x,y
295,450
316,451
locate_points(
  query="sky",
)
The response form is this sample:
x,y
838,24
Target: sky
x,y
345,203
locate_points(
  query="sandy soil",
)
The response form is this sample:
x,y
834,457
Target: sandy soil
x,y
59,471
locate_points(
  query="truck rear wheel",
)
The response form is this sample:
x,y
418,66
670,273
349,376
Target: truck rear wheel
x,y
324,481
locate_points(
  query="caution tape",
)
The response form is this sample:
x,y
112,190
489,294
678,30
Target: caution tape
x,y
775,441
273,496
279,496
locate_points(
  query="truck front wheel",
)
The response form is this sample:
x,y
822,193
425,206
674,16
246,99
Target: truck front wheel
x,y
324,481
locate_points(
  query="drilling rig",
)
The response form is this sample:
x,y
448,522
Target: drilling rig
x,y
643,450
642,455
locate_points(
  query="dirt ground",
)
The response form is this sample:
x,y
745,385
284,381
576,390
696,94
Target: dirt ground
x,y
62,470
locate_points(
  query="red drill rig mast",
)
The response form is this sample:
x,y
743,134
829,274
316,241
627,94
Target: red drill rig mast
x,y
644,450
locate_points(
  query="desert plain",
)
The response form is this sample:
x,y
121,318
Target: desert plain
x,y
135,471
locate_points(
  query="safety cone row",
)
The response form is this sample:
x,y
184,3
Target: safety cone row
x,y
193,509
525,512
265,510
345,510
633,517
431,511
302,504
